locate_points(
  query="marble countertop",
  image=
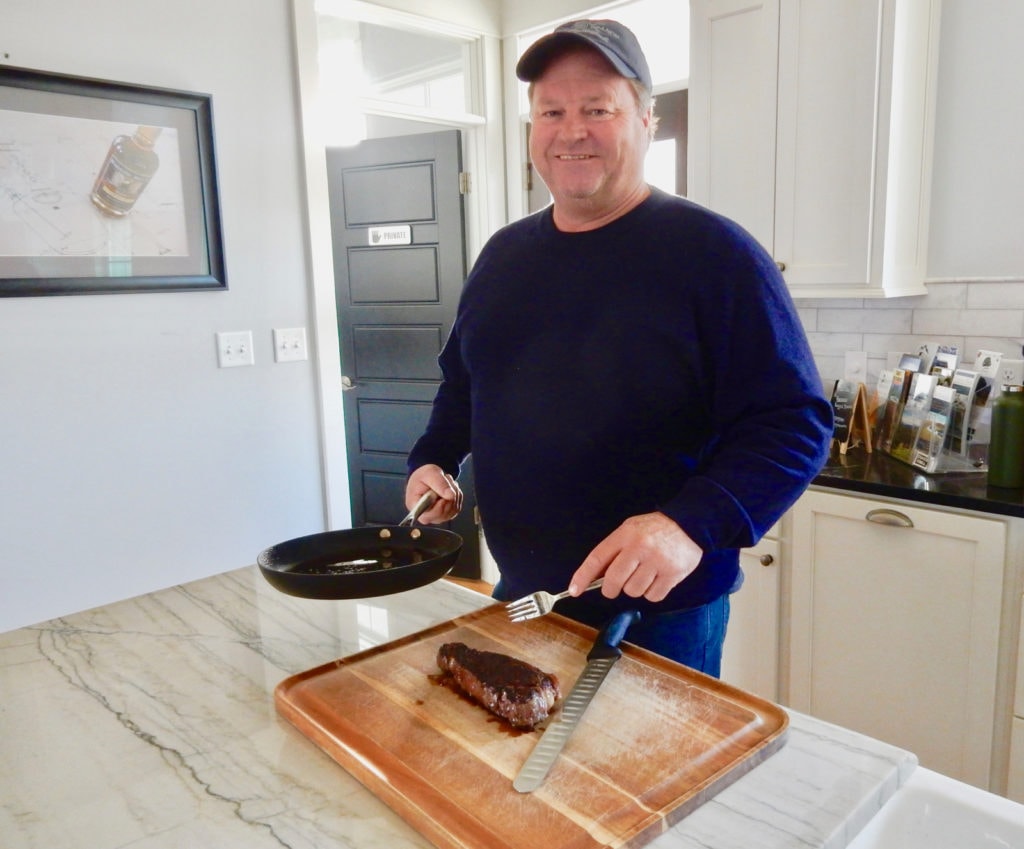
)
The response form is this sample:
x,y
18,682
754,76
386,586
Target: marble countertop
x,y
150,723
876,473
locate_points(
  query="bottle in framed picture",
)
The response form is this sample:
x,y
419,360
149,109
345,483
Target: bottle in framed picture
x,y
130,164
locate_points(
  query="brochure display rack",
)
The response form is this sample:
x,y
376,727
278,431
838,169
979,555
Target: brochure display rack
x,y
927,412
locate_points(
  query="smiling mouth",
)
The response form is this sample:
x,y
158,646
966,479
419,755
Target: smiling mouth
x,y
573,157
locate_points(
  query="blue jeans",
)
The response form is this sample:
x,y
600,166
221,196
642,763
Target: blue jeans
x,y
693,636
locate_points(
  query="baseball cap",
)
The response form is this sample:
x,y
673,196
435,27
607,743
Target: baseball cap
x,y
615,41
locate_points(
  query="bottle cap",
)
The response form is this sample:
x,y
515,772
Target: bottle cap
x,y
148,135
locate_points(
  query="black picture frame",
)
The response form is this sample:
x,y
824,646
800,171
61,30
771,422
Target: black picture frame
x,y
60,232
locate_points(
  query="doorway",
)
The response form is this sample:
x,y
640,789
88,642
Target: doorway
x,y
389,74
398,234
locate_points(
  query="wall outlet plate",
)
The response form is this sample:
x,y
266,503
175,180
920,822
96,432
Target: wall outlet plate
x,y
234,348
1011,372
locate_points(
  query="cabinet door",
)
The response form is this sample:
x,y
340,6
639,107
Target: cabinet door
x,y
750,659
828,79
1015,784
811,125
731,144
894,627
1018,700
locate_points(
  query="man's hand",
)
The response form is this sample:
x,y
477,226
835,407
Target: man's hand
x,y
449,495
645,556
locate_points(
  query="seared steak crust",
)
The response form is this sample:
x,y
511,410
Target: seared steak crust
x,y
519,693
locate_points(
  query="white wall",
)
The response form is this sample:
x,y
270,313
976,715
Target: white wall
x,y
977,217
128,460
519,15
484,16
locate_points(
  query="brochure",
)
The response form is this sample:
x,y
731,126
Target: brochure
x,y
932,436
965,386
915,410
893,409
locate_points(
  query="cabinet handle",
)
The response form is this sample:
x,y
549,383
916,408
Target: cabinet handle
x,y
884,516
767,560
779,264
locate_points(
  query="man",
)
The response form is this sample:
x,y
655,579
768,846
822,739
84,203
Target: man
x,y
627,370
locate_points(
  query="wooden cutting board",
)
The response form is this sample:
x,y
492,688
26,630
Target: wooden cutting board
x,y
657,741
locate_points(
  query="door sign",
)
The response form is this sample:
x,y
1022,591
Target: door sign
x,y
400,234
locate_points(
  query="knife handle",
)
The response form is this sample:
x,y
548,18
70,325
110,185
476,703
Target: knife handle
x,y
607,643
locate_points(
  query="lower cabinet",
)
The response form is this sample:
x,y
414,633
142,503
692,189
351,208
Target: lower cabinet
x,y
1015,783
1015,786
750,659
894,625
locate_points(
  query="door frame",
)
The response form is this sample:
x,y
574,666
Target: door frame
x,y
483,158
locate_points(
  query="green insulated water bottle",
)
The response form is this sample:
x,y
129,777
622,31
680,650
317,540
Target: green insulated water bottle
x,y
1006,449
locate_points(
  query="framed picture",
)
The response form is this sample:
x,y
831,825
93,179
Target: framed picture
x,y
105,187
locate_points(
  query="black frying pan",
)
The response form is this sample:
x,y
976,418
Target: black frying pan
x,y
362,562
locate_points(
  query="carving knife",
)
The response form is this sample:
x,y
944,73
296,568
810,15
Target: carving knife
x,y
600,660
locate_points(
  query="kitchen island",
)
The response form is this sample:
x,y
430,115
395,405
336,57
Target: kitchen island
x,y
150,722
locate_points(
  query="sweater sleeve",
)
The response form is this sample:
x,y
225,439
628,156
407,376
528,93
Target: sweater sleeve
x,y
772,421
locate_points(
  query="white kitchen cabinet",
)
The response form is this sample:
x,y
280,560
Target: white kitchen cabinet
x,y
894,625
750,658
811,125
1015,786
1015,783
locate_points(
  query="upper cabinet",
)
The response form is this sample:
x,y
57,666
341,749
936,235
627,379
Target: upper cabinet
x,y
811,125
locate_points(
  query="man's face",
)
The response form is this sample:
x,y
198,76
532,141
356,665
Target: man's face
x,y
588,140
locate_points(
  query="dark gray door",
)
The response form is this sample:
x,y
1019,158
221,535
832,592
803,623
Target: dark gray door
x,y
398,231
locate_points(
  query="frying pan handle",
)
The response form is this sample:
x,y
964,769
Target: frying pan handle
x,y
419,508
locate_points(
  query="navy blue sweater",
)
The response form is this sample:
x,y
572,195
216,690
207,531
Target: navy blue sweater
x,y
656,363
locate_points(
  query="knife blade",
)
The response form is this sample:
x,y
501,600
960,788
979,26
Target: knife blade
x,y
600,660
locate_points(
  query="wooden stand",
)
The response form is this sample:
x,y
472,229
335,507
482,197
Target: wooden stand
x,y
852,423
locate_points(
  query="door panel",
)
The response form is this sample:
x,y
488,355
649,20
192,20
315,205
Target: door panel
x,y
389,193
382,352
399,258
387,427
394,275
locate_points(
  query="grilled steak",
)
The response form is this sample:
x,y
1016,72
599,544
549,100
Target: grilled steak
x,y
519,693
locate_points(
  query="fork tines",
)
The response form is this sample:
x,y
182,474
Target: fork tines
x,y
539,603
524,608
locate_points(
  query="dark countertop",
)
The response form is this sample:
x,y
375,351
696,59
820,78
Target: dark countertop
x,y
877,473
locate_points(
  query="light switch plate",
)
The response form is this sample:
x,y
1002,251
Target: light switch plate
x,y
234,348
290,344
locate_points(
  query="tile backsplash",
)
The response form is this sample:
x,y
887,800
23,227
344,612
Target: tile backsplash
x,y
973,315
